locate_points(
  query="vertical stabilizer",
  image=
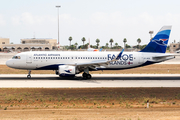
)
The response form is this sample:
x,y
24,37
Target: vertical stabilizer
x,y
159,43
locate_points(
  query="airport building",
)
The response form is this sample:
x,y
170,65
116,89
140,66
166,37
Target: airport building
x,y
174,47
33,44
3,41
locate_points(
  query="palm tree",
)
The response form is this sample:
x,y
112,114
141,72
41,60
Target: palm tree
x,y
70,39
83,40
107,45
139,41
76,44
111,41
97,41
125,40
116,45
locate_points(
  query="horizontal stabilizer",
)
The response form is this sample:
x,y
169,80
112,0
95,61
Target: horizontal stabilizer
x,y
163,57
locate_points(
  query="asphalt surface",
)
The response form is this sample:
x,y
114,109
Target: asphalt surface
x,y
98,80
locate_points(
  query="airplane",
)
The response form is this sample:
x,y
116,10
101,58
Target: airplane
x,y
92,49
68,63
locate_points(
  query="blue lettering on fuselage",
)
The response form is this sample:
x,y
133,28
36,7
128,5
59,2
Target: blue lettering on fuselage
x,y
40,54
46,54
125,59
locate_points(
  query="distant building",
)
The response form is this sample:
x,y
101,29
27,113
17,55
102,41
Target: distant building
x,y
174,47
3,41
31,44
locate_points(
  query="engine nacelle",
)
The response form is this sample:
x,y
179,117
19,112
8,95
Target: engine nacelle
x,y
66,70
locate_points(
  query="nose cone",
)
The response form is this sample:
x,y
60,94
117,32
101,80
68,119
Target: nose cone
x,y
9,63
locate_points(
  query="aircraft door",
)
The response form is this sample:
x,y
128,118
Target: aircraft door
x,y
29,58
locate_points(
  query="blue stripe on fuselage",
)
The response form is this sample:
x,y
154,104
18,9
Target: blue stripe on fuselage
x,y
49,67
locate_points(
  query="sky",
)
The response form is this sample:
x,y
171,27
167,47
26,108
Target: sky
x,y
92,19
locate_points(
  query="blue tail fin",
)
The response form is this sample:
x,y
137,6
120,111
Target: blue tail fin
x,y
159,43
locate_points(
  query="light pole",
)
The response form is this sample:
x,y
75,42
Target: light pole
x,y
151,32
58,6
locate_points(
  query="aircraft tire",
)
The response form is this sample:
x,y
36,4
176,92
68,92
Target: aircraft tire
x,y
88,76
28,76
84,75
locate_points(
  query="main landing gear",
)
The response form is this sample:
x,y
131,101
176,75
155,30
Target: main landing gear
x,y
86,76
29,74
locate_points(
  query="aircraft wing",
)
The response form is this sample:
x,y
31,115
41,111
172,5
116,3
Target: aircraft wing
x,y
93,63
99,62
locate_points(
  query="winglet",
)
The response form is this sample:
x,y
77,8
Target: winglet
x,y
118,56
100,50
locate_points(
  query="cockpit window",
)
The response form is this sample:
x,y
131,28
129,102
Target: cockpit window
x,y
16,57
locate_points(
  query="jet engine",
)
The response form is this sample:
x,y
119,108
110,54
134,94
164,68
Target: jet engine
x,y
66,70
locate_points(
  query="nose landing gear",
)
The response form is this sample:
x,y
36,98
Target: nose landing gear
x,y
29,74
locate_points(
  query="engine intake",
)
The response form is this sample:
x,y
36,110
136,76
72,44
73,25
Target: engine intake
x,y
66,70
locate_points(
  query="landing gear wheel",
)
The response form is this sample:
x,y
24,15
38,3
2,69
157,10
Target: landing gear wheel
x,y
84,75
28,76
88,76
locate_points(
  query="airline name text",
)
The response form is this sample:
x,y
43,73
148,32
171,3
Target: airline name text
x,y
46,54
125,59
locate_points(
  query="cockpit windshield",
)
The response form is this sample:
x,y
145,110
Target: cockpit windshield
x,y
16,57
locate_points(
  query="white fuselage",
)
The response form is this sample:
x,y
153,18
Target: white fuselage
x,y
48,60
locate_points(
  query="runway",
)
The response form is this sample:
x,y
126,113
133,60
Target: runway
x,y
97,81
